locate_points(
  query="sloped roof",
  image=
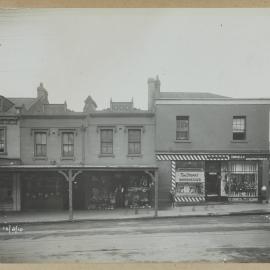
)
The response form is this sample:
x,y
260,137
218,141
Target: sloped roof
x,y
188,95
55,108
19,102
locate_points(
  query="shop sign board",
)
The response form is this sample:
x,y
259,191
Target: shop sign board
x,y
249,157
189,176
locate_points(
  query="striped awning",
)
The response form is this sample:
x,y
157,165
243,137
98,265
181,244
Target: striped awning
x,y
187,199
193,157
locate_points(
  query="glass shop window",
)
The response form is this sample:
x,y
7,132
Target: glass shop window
x,y
239,179
190,165
6,191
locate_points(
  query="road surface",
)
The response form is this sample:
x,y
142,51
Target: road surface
x,y
205,239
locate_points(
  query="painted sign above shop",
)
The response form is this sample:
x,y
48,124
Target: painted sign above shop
x,y
189,176
249,156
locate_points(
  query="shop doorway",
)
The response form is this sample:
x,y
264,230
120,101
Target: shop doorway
x,y
212,181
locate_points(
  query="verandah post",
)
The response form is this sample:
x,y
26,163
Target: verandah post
x,y
156,194
70,196
154,177
70,178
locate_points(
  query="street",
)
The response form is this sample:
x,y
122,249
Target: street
x,y
205,239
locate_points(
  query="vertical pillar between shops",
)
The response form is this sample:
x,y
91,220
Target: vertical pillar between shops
x,y
18,192
156,193
83,130
154,177
14,190
70,178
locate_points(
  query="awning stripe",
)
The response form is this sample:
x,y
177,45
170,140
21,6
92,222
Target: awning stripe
x,y
173,182
184,199
192,157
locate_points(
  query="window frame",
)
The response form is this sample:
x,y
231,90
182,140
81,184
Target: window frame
x,y
244,132
35,144
135,142
106,142
178,129
5,140
63,133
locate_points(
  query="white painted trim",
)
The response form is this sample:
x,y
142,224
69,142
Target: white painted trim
x,y
247,101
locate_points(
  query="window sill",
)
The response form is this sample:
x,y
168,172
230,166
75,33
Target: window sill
x,y
239,141
134,155
183,141
67,158
3,153
40,158
106,155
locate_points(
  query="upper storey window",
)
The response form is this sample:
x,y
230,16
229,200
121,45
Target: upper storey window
x,y
40,144
2,140
239,128
182,127
67,144
134,141
106,141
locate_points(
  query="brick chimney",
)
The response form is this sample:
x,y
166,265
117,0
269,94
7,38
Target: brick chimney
x,y
153,92
41,91
89,105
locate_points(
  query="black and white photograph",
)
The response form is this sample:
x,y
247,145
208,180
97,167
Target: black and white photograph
x,y
132,135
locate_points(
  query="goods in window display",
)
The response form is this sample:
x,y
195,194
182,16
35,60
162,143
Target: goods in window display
x,y
118,192
42,193
6,188
189,183
240,180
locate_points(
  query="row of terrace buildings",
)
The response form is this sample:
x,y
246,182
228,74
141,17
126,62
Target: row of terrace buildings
x,y
201,147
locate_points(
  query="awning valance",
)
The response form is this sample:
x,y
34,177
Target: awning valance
x,y
211,156
187,199
192,157
78,167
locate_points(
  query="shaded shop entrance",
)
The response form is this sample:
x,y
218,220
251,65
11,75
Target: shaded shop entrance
x,y
43,190
197,178
108,190
212,180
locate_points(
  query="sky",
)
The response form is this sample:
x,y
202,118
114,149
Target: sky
x,y
111,53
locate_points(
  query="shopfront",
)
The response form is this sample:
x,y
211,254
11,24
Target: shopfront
x,y
97,190
9,191
43,190
240,180
198,178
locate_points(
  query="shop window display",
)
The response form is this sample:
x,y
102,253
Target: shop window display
x,y
190,179
119,191
42,193
6,189
239,179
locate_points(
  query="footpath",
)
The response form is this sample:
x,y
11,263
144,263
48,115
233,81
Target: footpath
x,y
224,209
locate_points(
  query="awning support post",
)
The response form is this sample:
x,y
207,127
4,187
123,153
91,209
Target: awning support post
x,y
70,178
154,177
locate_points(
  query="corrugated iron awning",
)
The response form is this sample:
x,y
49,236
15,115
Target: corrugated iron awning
x,y
78,167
